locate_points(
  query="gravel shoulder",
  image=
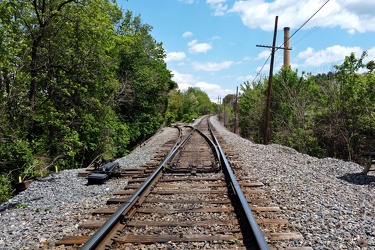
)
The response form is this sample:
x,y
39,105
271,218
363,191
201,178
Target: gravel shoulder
x,y
330,202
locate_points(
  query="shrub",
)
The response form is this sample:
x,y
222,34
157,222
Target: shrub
x,y
5,188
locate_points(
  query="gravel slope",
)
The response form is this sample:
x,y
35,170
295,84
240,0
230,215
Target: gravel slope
x,y
329,201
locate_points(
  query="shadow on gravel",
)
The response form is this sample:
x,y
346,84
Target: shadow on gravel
x,y
12,205
8,206
359,179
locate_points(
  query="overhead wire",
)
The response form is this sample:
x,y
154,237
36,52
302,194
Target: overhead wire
x,y
319,25
268,36
301,6
308,19
258,74
295,32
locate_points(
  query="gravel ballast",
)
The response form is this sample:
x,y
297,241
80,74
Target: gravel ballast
x,y
330,202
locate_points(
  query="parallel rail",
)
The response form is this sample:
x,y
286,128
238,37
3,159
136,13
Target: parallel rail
x,y
97,238
252,235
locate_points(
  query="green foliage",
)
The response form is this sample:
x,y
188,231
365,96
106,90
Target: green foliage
x,y
144,78
251,110
292,106
48,208
15,153
5,188
325,115
195,103
18,206
226,112
348,118
188,105
77,80
174,108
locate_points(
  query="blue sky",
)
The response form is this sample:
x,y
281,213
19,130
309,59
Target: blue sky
x,y
211,44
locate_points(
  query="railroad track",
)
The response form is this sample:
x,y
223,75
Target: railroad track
x,y
187,198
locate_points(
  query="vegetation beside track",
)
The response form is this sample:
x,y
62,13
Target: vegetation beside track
x,y
79,81
84,80
324,115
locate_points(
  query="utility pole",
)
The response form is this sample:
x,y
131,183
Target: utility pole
x,y
269,91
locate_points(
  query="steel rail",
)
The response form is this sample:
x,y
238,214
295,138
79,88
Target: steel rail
x,y
212,145
257,233
178,139
96,239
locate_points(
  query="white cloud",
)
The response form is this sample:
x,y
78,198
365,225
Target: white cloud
x,y
213,90
204,86
185,81
262,71
356,16
215,1
215,38
331,55
264,54
187,34
219,7
211,66
245,78
196,48
371,55
362,7
175,56
187,1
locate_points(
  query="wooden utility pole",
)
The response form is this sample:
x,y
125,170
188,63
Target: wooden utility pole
x,y
269,91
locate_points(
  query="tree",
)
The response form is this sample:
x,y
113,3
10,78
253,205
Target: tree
x,y
195,103
174,110
347,120
145,80
292,111
78,80
58,82
329,114
252,110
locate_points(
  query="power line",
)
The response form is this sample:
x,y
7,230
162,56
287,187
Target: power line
x,y
308,19
278,47
258,74
306,22
324,20
301,6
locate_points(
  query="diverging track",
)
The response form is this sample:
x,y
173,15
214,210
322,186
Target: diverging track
x,y
189,199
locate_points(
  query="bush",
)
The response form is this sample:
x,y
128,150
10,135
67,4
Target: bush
x,y
5,188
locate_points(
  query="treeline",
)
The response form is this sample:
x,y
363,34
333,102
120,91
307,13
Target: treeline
x,y
79,80
327,115
188,105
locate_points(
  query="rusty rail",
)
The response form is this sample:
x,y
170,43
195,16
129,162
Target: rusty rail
x,y
250,219
96,240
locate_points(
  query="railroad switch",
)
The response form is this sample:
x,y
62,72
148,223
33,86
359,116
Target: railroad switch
x,y
102,173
